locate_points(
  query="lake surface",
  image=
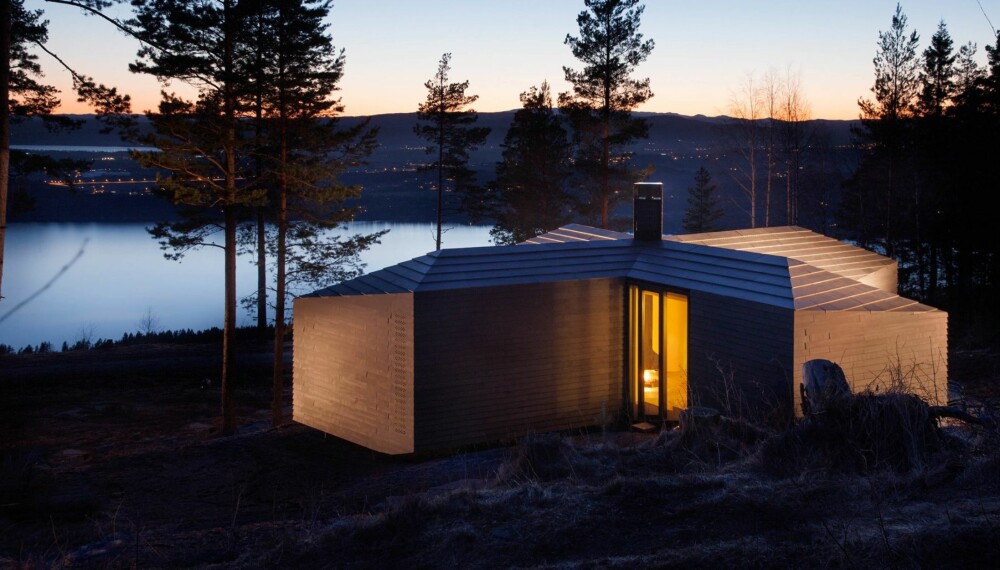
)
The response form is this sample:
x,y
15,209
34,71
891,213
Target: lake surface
x,y
121,277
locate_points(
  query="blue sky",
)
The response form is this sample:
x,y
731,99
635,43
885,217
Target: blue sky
x,y
704,49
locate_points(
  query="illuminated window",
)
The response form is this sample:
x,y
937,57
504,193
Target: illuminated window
x,y
658,353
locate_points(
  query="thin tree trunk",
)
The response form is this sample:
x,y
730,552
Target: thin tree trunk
x,y
440,188
229,318
606,155
277,385
261,228
605,183
278,370
933,276
788,197
440,201
5,30
770,170
261,271
890,249
753,174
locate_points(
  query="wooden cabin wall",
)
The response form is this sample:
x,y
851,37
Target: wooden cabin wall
x,y
874,347
352,368
740,356
501,362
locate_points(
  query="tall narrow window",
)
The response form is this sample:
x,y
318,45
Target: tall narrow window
x,y
657,353
675,335
652,348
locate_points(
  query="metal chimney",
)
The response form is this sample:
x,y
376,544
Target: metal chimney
x,y
647,216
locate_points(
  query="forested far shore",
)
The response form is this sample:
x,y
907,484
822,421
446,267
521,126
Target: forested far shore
x,y
393,188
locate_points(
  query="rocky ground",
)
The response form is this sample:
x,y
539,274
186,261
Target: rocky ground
x,y
112,459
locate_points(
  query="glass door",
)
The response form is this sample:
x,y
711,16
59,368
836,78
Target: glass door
x,y
650,362
658,353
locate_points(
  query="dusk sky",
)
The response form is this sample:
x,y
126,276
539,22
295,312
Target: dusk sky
x,y
704,49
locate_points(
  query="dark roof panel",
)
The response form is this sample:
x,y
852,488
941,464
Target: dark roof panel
x,y
744,264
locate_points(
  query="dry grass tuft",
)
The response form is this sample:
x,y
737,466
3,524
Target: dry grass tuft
x,y
726,442
544,457
858,434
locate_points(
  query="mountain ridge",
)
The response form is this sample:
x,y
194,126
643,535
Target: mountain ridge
x,y
668,130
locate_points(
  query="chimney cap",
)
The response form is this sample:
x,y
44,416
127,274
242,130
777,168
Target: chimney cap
x,y
647,211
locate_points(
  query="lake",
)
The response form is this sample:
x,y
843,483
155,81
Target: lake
x,y
115,275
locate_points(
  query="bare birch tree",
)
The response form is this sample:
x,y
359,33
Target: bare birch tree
x,y
745,110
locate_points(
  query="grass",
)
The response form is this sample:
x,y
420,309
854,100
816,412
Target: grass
x,y
873,482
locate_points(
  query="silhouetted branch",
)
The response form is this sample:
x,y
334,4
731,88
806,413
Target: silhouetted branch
x,y
43,288
91,9
113,109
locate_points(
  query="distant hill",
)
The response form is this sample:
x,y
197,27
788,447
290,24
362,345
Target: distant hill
x,y
668,131
677,147
34,132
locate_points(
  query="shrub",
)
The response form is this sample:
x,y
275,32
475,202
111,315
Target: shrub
x,y
861,434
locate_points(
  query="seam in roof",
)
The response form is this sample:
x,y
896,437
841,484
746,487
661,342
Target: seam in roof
x,y
878,299
569,237
537,240
806,296
598,236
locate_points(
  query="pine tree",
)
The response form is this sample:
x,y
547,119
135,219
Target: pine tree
x,y
875,196
531,179
445,122
604,94
304,152
937,91
971,269
937,76
703,205
967,70
201,143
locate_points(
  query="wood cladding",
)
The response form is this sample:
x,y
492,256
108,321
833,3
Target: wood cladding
x,y
352,367
739,357
878,350
500,362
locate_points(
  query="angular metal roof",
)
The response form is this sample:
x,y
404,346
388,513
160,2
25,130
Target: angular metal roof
x,y
802,245
761,266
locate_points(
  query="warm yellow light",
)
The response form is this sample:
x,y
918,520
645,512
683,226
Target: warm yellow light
x,y
651,377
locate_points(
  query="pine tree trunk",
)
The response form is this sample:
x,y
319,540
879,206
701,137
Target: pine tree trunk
x,y
277,386
229,320
229,208
606,158
277,380
770,173
261,227
261,271
440,188
5,16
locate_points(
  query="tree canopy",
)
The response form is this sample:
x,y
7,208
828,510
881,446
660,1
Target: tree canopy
x,y
703,209
928,144
599,107
531,181
445,120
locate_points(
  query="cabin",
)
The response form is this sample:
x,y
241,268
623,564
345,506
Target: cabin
x,y
582,326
